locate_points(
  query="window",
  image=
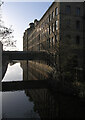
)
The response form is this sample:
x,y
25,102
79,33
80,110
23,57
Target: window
x,y
68,22
39,36
78,11
77,40
55,39
56,11
52,27
52,14
78,25
56,25
52,41
75,61
49,18
49,29
49,42
68,9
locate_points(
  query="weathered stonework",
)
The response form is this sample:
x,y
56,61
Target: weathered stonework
x,y
0,80
0,61
62,31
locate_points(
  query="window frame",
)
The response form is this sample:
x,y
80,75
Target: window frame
x,y
49,42
55,39
77,40
53,27
68,9
78,24
52,14
56,25
49,17
56,11
52,41
78,11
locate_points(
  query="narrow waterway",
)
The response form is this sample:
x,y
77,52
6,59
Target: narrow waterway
x,y
38,103
15,104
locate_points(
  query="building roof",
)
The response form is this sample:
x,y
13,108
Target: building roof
x,y
47,11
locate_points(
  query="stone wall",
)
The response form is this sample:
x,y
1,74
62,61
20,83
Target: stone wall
x,y
0,61
0,80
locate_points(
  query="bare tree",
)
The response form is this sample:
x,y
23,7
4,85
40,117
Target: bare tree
x,y
6,36
64,55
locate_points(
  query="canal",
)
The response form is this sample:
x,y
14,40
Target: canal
x,y
37,103
16,104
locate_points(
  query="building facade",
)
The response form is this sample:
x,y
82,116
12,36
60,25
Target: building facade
x,y
60,32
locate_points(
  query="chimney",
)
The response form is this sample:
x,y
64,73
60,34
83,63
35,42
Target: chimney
x,y
31,25
36,22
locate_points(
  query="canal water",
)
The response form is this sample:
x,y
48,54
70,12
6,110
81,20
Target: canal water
x,y
16,104
39,103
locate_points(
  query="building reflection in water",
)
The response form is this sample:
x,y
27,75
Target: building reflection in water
x,y
49,104
55,106
33,70
51,34
44,103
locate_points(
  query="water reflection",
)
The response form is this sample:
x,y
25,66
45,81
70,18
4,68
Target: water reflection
x,y
33,70
37,100
42,104
55,106
13,73
16,105
47,102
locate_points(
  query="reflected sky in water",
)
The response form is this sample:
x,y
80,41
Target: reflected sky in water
x,y
17,105
38,103
14,73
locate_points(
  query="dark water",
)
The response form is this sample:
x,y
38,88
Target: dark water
x,y
17,105
38,103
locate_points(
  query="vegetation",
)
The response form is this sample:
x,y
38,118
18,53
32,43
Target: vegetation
x,y
65,67
6,36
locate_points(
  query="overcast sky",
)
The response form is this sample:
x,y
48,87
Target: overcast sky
x,y
20,14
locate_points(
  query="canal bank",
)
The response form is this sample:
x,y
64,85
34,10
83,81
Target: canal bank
x,y
0,80
0,61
